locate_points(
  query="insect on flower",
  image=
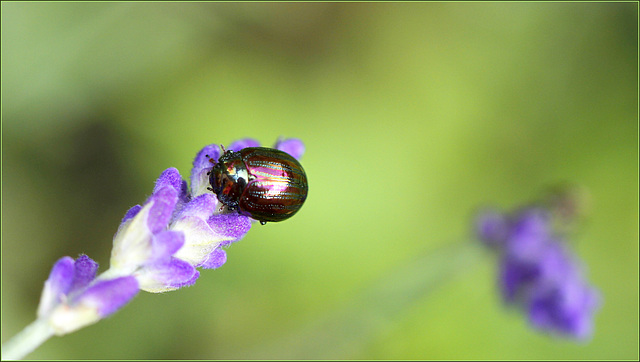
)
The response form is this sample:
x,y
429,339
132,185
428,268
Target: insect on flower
x,y
159,244
265,184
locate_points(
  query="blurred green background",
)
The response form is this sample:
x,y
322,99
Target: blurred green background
x,y
413,115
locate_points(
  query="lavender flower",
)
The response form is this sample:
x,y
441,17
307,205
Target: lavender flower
x,y
176,231
73,298
538,273
157,248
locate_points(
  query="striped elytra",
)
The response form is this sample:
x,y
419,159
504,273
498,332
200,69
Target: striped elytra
x,y
265,184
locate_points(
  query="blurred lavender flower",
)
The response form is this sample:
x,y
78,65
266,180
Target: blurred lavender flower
x,y
157,248
538,272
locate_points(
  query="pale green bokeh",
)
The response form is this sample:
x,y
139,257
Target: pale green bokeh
x,y
413,115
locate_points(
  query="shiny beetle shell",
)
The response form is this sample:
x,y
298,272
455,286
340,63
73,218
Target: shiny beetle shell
x,y
263,183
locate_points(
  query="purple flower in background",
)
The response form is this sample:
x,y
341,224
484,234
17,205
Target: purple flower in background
x,y
537,271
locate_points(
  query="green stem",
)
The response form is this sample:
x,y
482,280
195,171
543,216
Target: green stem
x,y
27,340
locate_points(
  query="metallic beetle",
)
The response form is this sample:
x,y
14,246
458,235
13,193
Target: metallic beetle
x,y
263,183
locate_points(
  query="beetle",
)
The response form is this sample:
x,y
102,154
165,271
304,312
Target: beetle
x,y
265,184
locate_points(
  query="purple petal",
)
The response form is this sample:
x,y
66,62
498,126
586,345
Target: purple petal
x,y
515,278
189,282
201,207
541,309
202,165
204,156
492,228
84,272
108,296
177,273
57,285
215,260
164,244
556,265
243,143
184,192
164,202
232,227
200,240
582,327
131,213
532,222
61,276
526,246
169,177
292,146
564,308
